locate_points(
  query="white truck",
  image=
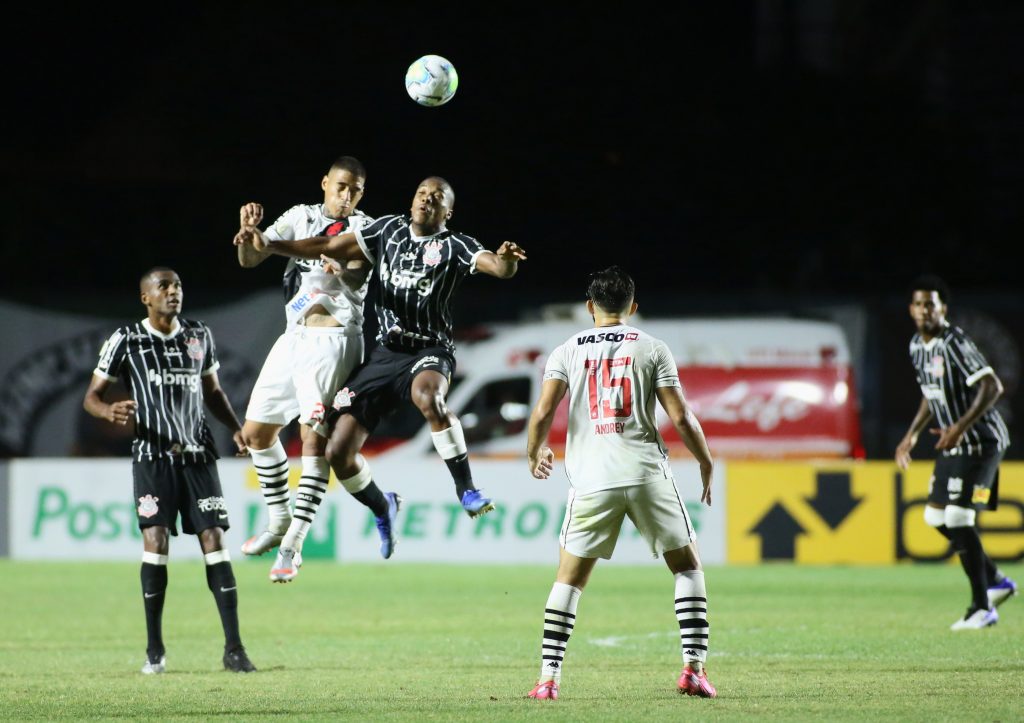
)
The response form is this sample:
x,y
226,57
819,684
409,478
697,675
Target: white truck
x,y
761,387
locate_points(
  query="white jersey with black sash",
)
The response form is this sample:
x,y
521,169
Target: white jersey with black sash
x,y
418,278
306,283
164,374
947,368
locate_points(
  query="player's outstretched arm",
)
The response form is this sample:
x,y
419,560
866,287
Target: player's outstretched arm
x,y
921,419
342,247
502,263
690,431
117,413
989,391
250,216
220,407
538,454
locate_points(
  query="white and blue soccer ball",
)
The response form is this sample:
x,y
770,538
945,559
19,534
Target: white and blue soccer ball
x,y
431,81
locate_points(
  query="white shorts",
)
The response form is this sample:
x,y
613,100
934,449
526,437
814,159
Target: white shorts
x,y
304,370
593,519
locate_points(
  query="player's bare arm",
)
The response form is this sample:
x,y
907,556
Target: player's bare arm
x,y
342,247
220,406
920,421
690,431
502,263
250,216
118,412
990,388
538,453
353,274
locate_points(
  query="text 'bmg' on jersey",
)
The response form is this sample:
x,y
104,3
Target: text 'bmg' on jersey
x,y
947,367
418,277
164,375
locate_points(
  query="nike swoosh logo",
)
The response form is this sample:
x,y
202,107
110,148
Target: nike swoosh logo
x,y
228,589
148,595
222,517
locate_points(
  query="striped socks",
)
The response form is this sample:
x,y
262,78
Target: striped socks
x,y
559,619
312,488
692,614
272,470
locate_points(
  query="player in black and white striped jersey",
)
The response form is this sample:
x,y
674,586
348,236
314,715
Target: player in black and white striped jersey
x,y
959,390
169,365
322,344
420,264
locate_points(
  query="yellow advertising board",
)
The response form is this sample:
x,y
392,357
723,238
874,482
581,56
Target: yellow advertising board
x,y
852,512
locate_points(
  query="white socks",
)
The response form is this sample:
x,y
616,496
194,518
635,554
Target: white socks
x,y
312,488
692,614
272,470
559,619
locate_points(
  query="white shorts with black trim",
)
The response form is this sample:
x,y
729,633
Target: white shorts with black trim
x,y
304,370
593,519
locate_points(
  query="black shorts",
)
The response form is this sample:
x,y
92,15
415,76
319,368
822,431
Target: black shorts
x,y
966,481
384,380
163,489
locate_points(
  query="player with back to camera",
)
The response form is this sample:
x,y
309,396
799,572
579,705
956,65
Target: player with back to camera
x,y
959,390
307,365
617,465
169,364
420,264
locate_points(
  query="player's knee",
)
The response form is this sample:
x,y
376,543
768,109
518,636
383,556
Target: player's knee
x,y
258,436
211,539
935,516
955,517
156,539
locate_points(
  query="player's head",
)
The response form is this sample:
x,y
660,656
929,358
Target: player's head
x,y
160,290
929,296
343,184
611,291
432,205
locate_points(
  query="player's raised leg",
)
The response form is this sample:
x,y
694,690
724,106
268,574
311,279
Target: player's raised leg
x,y
429,389
271,463
354,474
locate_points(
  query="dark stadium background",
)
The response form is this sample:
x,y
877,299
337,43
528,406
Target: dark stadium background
x,y
762,157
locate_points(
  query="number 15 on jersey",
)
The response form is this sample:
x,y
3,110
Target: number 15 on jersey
x,y
610,386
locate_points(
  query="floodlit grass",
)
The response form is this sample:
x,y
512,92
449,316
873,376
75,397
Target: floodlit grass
x,y
444,642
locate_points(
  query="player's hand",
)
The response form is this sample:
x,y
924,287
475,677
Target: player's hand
x,y
903,452
705,479
509,251
250,215
121,412
542,463
949,437
332,266
243,237
240,443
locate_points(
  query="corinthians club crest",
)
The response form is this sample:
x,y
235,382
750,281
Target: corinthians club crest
x,y
432,253
194,348
148,506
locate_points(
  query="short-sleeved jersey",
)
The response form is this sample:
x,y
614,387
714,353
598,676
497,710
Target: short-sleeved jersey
x,y
947,367
418,277
613,438
164,375
305,281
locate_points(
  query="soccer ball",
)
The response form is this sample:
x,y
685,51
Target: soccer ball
x,y
431,81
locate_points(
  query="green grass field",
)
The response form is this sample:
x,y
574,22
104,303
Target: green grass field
x,y
440,642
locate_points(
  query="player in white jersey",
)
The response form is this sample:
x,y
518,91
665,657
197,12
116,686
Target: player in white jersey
x,y
322,344
617,465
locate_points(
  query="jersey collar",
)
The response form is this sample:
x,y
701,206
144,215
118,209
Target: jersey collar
x,y
175,329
